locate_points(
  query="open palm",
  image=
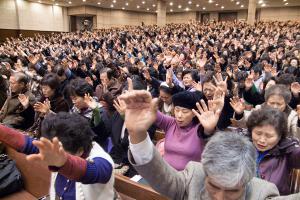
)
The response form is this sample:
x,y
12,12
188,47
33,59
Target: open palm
x,y
207,116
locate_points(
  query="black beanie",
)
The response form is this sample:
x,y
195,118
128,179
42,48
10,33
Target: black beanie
x,y
187,99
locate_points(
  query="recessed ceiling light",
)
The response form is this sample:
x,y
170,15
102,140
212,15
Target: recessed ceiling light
x,y
84,0
114,1
286,3
222,7
153,5
56,4
123,8
148,9
70,2
203,8
112,5
39,1
171,10
284,0
263,5
179,6
260,2
98,3
242,6
171,3
190,2
126,3
187,9
237,3
137,6
143,2
210,1
197,5
217,4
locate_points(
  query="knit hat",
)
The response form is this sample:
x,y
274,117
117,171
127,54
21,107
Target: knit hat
x,y
187,99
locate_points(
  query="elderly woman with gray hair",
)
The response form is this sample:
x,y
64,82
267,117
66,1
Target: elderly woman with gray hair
x,y
276,96
226,172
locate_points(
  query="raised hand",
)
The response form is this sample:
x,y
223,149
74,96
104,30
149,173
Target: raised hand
x,y
120,106
140,112
197,86
207,116
222,84
51,153
295,88
237,105
24,100
90,101
218,100
298,111
42,107
169,78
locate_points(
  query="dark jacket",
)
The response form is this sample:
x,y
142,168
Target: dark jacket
x,y
13,113
277,164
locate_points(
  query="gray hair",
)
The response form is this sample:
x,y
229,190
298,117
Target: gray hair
x,y
21,77
280,90
229,159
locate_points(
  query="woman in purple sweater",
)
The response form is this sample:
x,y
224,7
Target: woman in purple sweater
x,y
277,154
184,135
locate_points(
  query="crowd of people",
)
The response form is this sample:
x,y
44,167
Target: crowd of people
x,y
225,94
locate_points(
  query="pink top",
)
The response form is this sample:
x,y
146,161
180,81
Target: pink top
x,y
182,144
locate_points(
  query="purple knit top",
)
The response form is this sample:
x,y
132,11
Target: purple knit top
x,y
182,144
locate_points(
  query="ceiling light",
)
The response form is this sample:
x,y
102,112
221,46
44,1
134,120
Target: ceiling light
x,y
242,6
210,1
114,1
263,5
112,5
143,2
237,3
84,0
153,5
217,4
126,3
137,6
56,4
222,7
39,1
286,3
190,2
98,3
284,0
203,8
197,5
148,9
123,8
171,10
171,3
187,9
179,6
260,2
70,2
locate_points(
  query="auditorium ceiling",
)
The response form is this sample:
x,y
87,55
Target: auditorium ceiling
x,y
172,5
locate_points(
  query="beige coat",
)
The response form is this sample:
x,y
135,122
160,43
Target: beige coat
x,y
189,183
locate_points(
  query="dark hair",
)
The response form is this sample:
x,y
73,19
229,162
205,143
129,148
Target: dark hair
x,y
257,69
285,79
51,80
108,71
268,116
166,89
59,70
79,87
72,130
193,74
209,77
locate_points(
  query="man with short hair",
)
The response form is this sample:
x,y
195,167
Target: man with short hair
x,y
17,111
